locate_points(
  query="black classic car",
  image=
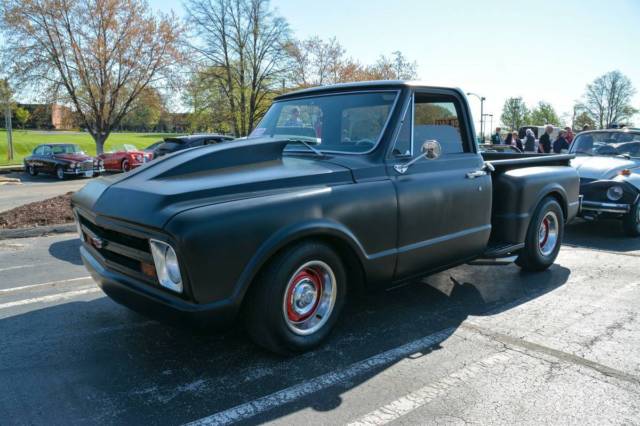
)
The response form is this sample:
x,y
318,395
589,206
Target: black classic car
x,y
178,143
338,189
62,160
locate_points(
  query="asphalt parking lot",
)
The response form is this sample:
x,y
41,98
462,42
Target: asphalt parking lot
x,y
486,345
35,188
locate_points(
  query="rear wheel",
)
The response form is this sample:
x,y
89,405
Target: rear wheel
x,y
295,301
544,237
631,221
60,172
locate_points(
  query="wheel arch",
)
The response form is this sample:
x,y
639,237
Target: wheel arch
x,y
333,234
555,191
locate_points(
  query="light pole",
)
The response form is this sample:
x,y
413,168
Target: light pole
x,y
490,120
482,99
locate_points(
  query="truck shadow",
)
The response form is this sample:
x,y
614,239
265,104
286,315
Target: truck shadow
x,y
600,235
67,250
144,371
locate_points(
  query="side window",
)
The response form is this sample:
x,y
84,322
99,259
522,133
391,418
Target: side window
x,y
439,119
46,150
211,141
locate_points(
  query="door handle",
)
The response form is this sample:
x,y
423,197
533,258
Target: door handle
x,y
476,174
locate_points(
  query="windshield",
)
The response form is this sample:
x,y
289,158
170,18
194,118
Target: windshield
x,y
351,122
607,143
66,149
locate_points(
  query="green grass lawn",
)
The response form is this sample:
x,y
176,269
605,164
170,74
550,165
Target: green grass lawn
x,y
25,140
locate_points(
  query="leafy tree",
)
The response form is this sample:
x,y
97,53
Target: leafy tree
x,y
245,40
145,113
544,113
608,98
583,119
514,113
22,116
396,67
209,106
96,55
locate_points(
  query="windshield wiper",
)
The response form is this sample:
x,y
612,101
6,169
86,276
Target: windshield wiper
x,y
308,145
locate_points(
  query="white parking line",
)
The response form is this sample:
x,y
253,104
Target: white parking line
x,y
51,298
404,405
24,287
31,265
260,405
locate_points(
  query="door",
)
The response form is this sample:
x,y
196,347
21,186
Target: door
x,y
47,160
444,204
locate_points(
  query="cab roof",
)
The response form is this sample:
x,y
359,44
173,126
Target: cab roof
x,y
363,85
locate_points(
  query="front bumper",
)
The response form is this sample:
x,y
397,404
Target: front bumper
x,y
154,302
599,207
87,173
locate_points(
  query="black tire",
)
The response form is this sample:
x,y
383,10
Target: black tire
x,y
32,170
538,255
125,166
266,317
60,173
631,221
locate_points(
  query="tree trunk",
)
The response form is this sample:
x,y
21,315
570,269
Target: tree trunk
x,y
100,139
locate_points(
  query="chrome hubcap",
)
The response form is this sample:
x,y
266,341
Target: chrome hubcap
x,y
309,297
548,234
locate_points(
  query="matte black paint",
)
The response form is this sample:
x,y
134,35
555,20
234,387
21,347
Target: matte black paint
x,y
228,208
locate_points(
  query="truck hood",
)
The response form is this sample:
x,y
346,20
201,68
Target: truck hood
x,y
602,167
152,194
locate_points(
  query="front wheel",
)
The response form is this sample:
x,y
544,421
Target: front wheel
x,y
31,169
295,301
631,221
60,173
125,166
544,237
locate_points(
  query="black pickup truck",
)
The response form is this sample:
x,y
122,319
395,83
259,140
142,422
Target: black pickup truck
x,y
338,188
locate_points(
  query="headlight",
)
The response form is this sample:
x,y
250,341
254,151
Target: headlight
x,y
139,158
72,165
167,267
615,193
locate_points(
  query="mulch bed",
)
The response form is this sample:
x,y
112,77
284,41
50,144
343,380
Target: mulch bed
x,y
54,211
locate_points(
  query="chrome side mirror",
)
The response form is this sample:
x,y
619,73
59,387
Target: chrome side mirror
x,y
430,149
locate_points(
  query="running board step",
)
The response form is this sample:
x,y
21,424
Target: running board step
x,y
502,250
496,261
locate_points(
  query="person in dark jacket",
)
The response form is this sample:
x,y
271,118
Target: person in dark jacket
x,y
545,140
512,139
496,138
560,143
530,141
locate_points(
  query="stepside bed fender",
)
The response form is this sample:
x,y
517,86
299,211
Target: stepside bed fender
x,y
517,193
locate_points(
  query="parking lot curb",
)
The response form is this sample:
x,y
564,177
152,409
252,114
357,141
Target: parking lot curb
x,y
38,231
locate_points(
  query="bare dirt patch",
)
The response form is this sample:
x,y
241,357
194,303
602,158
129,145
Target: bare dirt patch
x,y
53,211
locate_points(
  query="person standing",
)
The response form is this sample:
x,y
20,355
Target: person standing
x,y
545,140
515,141
530,141
569,136
560,143
496,139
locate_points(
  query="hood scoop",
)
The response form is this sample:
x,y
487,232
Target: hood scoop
x,y
222,156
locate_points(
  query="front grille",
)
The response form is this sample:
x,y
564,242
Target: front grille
x,y
118,251
86,165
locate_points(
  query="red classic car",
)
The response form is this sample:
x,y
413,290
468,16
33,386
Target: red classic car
x,y
123,158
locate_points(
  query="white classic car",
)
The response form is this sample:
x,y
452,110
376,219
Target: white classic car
x,y
608,162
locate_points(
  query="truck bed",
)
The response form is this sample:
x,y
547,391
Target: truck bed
x,y
513,160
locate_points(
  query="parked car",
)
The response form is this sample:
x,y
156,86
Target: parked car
x,y
608,162
151,148
123,158
178,143
338,188
62,160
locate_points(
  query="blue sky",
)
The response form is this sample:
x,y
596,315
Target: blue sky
x,y
543,50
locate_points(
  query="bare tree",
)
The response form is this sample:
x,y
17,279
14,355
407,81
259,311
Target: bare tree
x,y
99,55
243,43
607,99
396,67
